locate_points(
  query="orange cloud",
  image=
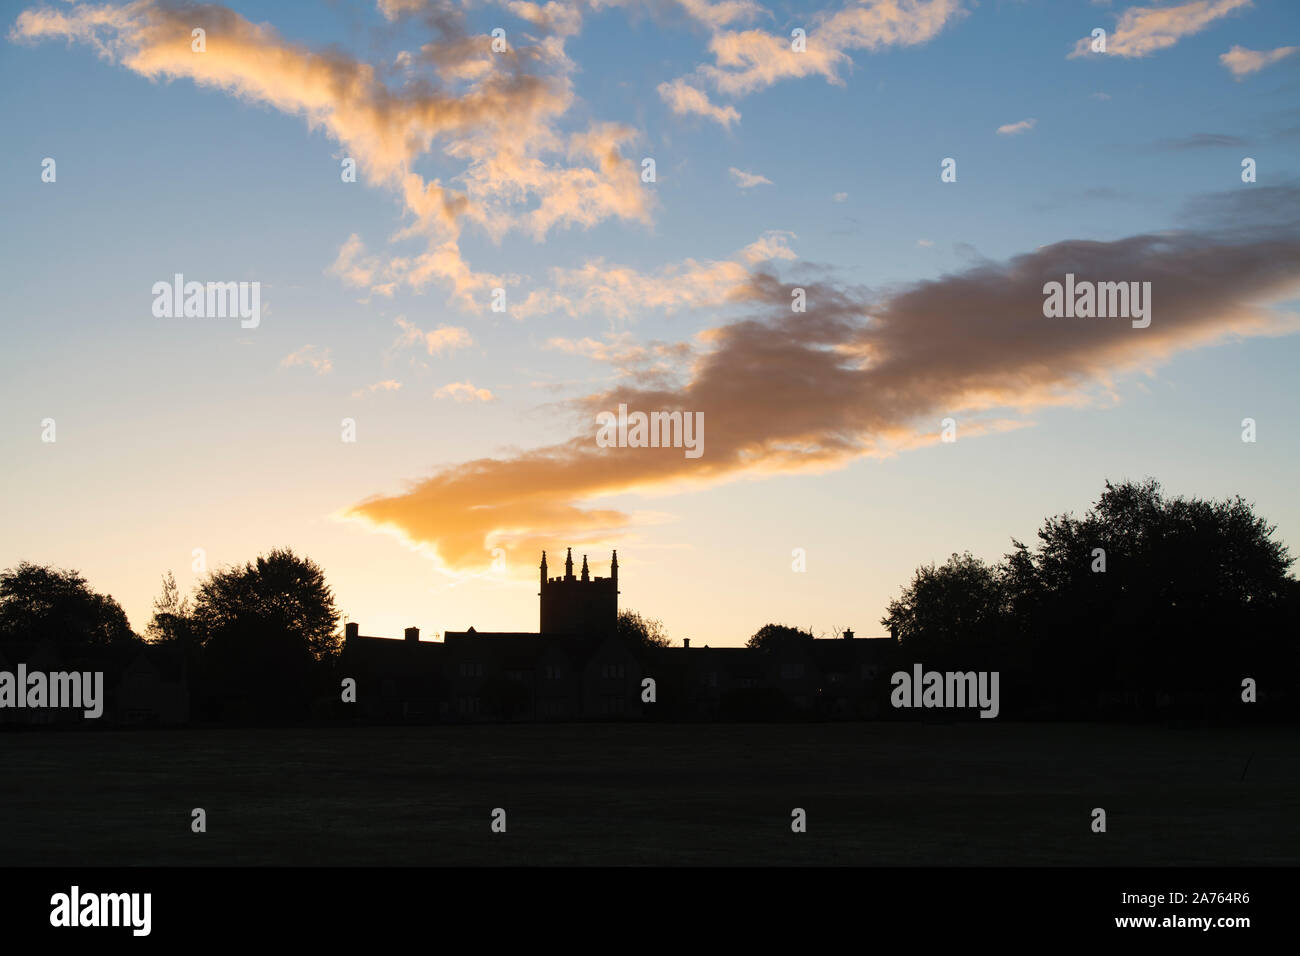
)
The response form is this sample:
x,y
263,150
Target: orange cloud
x,y
388,385
496,114
855,377
683,99
1141,31
445,338
464,392
1242,62
311,356
749,60
620,292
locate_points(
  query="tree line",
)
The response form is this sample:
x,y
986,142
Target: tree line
x,y
264,633
1143,603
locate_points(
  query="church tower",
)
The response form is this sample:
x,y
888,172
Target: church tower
x,y
584,606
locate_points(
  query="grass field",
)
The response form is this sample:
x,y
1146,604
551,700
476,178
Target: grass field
x,y
982,792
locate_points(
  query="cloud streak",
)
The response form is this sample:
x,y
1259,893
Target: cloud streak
x,y
1141,31
747,61
463,392
858,376
748,180
1242,62
1011,129
495,115
684,99
439,341
311,356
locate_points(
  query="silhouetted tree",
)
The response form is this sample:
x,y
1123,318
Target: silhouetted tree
x,y
771,637
171,622
945,606
641,632
263,627
1142,601
1150,598
44,603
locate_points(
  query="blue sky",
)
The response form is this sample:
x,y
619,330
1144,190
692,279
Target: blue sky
x,y
194,433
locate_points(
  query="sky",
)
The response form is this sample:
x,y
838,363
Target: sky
x,y
463,259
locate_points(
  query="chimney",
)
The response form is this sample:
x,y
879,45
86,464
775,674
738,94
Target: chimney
x,y
848,633
350,630
686,642
413,634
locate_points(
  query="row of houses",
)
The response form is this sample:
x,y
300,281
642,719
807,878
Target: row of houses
x,y
577,667
471,676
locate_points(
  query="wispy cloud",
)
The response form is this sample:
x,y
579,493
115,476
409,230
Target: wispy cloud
x,y
746,61
1242,62
463,392
858,376
1011,129
748,180
684,99
646,362
1201,141
1141,31
388,385
494,115
445,338
749,60
621,292
352,265
310,356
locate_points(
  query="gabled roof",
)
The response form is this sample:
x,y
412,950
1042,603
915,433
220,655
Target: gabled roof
x,y
389,649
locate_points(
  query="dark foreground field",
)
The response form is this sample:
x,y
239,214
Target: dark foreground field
x,y
968,793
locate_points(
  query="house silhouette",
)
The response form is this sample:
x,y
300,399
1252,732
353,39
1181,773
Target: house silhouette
x,y
578,667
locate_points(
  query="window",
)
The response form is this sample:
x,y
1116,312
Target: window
x,y
613,705
611,671
552,671
748,683
791,671
468,705
471,669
